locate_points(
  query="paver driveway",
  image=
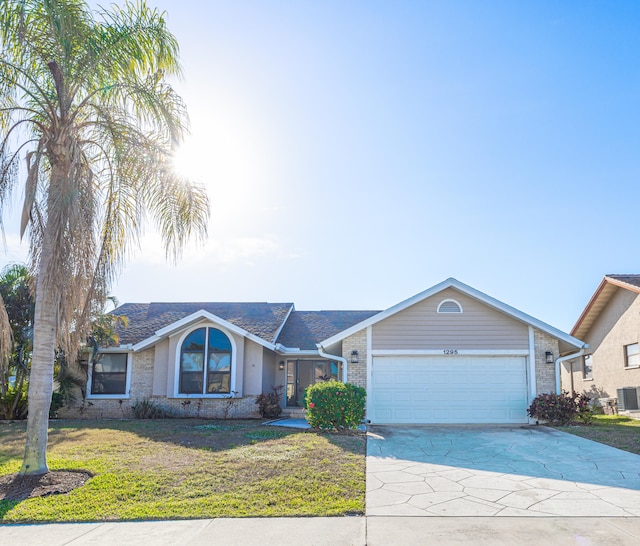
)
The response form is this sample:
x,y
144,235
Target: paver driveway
x,y
497,471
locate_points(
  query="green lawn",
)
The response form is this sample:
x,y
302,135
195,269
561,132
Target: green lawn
x,y
613,430
187,468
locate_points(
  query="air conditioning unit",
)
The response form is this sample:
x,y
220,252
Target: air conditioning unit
x,y
628,398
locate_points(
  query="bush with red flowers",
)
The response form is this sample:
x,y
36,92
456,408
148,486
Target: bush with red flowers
x,y
332,405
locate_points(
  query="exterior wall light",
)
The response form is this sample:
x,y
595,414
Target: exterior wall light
x,y
281,365
549,357
354,357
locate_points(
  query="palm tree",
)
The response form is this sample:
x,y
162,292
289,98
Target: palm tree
x,y
88,122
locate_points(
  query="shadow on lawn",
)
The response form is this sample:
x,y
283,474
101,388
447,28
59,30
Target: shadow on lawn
x,y
6,506
210,435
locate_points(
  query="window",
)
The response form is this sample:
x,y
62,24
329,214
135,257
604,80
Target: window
x,y
109,374
632,356
587,367
210,346
449,306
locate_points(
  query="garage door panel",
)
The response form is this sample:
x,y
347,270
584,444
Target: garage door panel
x,y
449,390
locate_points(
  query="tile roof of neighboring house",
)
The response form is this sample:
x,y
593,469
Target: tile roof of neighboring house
x,y
601,297
261,319
304,329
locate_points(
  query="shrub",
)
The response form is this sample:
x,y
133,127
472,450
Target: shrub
x,y
13,405
585,409
57,401
148,409
335,406
561,409
269,403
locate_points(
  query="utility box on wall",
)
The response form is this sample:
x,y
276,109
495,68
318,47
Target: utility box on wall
x,y
628,398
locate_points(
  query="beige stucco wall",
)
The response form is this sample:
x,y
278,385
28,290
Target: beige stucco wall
x,y
161,368
617,325
269,370
253,363
477,327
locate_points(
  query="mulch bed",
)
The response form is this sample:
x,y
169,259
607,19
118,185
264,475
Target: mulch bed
x,y
17,488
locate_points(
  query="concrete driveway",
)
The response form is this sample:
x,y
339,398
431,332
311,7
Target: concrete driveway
x,y
497,471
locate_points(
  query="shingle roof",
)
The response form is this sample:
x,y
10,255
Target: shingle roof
x,y
628,279
261,319
304,329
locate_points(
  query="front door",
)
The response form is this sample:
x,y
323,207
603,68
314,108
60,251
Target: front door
x,y
302,373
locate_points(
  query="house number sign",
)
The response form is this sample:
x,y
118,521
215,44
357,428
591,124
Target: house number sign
x,y
450,351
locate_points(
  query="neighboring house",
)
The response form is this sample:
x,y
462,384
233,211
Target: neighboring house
x,y
450,354
610,324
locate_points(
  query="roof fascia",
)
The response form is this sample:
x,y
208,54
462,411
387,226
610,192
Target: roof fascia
x,y
469,291
193,317
589,305
596,295
118,349
298,352
282,350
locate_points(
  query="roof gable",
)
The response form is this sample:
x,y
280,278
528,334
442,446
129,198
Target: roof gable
x,y
262,321
469,291
601,297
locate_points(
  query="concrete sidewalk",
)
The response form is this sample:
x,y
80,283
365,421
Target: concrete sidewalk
x,y
359,531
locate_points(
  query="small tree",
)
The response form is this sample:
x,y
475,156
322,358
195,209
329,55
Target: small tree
x,y
16,306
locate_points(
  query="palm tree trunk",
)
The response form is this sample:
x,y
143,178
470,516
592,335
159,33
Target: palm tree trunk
x,y
41,376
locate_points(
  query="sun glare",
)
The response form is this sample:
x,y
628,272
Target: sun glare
x,y
186,162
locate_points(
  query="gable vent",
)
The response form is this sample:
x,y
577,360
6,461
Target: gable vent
x,y
449,306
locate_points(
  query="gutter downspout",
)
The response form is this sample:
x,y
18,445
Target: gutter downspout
x,y
335,357
561,359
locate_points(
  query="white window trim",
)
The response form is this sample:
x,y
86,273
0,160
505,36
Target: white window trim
x,y
626,356
234,367
584,361
449,300
127,390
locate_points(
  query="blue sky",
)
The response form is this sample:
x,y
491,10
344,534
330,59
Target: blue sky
x,y
359,152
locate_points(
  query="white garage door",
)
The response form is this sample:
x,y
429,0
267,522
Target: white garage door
x,y
452,389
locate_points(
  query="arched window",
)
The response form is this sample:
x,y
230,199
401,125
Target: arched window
x,y
449,306
208,345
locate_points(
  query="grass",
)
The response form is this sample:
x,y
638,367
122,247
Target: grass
x,y
613,430
185,468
